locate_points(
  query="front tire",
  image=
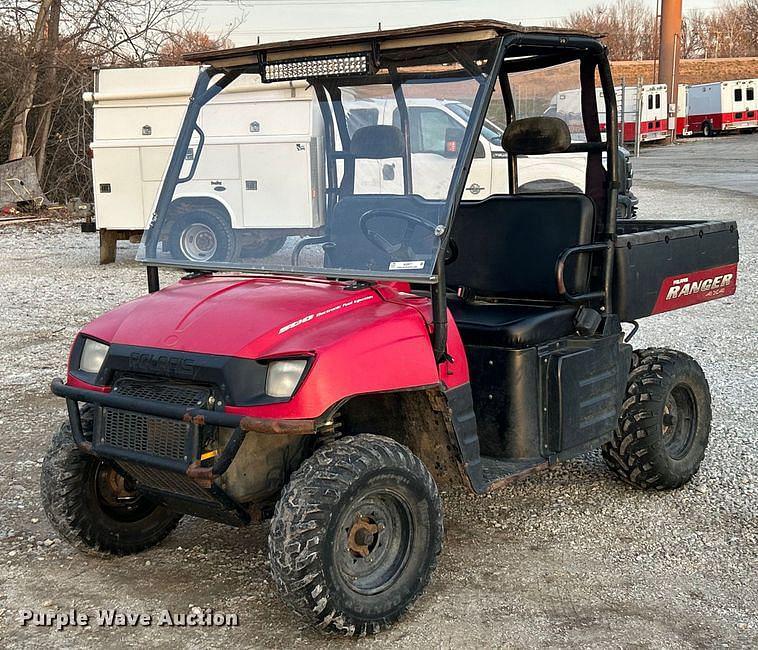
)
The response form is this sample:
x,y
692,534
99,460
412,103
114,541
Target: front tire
x,y
665,421
355,535
708,130
92,508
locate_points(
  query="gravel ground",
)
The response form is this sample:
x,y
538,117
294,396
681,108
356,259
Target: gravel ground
x,y
567,558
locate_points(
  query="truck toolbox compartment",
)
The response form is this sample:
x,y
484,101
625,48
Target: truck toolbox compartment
x,y
665,265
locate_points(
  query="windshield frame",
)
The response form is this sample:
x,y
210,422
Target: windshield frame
x,y
211,82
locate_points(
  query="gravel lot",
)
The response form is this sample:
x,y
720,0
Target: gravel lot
x,y
567,558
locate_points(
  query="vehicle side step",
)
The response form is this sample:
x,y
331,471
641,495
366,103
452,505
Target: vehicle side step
x,y
498,472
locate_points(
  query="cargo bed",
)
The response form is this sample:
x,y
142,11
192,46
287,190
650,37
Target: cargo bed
x,y
665,265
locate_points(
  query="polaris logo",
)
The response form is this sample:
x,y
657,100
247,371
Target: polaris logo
x,y
161,364
683,286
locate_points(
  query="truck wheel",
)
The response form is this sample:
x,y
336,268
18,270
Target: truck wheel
x,y
707,130
92,506
355,535
665,421
203,236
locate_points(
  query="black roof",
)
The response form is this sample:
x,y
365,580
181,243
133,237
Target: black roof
x,y
439,29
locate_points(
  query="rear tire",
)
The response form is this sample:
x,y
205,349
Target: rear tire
x,y
707,130
665,421
203,236
355,535
82,506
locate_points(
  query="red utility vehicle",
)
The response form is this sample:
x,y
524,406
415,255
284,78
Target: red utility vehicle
x,y
411,342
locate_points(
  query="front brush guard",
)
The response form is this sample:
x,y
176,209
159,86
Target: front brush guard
x,y
204,476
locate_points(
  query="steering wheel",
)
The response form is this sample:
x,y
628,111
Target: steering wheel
x,y
402,250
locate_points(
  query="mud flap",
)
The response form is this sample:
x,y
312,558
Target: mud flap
x,y
461,405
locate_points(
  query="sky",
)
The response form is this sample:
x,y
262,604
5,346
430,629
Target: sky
x,y
270,20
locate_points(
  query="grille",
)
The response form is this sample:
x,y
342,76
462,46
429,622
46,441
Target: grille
x,y
166,481
144,434
160,392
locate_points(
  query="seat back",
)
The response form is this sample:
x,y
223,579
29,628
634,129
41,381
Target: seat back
x,y
508,245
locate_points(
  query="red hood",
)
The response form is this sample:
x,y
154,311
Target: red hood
x,y
250,317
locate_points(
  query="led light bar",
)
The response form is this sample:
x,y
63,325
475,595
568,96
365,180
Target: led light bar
x,y
334,66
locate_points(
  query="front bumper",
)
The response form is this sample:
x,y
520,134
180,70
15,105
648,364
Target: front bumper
x,y
159,446
196,417
736,126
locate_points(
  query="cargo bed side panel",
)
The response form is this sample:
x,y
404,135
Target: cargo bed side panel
x,y
665,265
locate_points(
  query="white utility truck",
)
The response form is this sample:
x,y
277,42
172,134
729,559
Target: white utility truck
x,y
230,199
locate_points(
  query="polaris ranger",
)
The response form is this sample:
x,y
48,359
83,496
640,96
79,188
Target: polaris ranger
x,y
411,342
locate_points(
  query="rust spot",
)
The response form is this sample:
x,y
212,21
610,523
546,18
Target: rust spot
x,y
189,417
502,482
203,476
362,536
86,447
284,427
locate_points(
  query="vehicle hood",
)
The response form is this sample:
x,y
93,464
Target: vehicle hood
x,y
247,317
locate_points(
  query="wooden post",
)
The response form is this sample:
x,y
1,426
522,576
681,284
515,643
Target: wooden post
x,y
108,239
668,54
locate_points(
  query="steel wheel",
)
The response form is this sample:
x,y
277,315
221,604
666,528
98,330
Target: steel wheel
x,y
355,535
198,242
679,421
378,534
92,506
665,421
115,496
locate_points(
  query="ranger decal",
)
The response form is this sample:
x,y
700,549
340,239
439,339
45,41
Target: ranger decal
x,y
684,290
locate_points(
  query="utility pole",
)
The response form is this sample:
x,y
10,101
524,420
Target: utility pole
x,y
669,50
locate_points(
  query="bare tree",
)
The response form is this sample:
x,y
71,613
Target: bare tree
x,y
629,26
729,30
102,31
186,41
22,103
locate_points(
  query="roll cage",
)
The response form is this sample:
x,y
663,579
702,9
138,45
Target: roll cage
x,y
516,50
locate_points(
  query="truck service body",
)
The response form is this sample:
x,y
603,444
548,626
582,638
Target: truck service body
x,y
653,106
720,106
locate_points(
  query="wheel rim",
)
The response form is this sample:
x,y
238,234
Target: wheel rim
x,y
374,541
679,421
198,242
115,498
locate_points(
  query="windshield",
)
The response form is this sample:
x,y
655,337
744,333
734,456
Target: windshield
x,y
348,176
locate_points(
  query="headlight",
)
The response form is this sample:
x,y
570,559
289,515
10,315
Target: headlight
x,y
93,355
283,377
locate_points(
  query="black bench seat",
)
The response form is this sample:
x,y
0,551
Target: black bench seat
x,y
511,326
